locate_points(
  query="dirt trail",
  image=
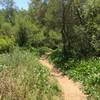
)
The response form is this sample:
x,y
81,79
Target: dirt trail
x,y
70,89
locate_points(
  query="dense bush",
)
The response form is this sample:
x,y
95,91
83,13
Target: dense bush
x,y
6,43
88,72
25,31
22,77
53,39
6,29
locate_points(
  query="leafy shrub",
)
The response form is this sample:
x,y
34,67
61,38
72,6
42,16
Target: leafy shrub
x,y
6,43
44,50
54,39
6,29
26,30
58,59
37,39
25,78
86,71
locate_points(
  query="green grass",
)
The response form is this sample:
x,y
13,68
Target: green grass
x,y
41,51
22,77
87,71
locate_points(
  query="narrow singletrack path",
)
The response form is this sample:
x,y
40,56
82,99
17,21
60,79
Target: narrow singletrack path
x,y
70,89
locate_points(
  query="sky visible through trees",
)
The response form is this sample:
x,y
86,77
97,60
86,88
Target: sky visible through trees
x,y
21,4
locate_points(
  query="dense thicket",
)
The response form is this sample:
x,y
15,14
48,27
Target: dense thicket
x,y
72,25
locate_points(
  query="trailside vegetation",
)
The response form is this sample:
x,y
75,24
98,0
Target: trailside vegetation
x,y
69,30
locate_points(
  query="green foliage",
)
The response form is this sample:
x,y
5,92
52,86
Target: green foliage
x,y
25,78
41,51
86,71
39,29
82,44
88,32
6,29
56,56
53,14
59,60
42,25
1,19
9,8
31,34
54,39
26,30
38,39
6,43
71,26
44,50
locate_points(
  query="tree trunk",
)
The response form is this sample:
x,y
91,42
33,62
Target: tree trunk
x,y
65,34
63,31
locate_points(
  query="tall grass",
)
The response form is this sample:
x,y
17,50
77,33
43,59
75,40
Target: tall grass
x,y
22,77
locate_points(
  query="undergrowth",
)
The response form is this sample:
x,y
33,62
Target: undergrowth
x,y
22,77
87,71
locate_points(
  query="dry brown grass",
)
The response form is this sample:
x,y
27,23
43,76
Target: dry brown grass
x,y
26,80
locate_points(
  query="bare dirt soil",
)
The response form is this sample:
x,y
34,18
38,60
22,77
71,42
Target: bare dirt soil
x,y
71,90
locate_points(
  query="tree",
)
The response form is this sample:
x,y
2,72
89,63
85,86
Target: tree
x,y
37,9
9,6
59,17
87,14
